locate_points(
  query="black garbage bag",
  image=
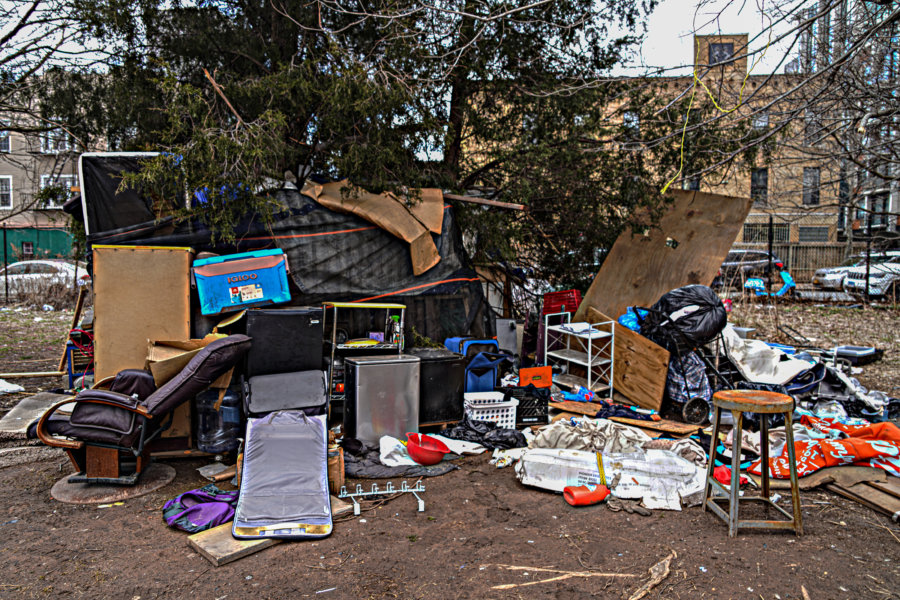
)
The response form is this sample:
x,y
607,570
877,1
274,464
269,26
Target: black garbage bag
x,y
685,318
361,461
487,434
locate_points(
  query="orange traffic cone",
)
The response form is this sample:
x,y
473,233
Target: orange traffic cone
x,y
583,495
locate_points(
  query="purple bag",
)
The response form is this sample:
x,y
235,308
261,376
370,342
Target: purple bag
x,y
200,509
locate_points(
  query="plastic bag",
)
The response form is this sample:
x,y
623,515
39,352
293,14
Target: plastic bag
x,y
685,318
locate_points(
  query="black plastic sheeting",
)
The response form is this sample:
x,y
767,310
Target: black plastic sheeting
x,y
340,257
108,209
487,434
362,461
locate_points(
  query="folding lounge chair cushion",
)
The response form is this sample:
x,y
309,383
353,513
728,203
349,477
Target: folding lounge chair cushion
x,y
108,424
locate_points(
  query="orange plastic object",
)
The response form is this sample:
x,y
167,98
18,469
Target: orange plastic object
x,y
425,450
541,377
582,495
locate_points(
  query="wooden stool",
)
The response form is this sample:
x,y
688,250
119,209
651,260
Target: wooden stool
x,y
762,403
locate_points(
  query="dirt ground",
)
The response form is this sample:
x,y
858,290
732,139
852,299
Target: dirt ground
x,y
482,535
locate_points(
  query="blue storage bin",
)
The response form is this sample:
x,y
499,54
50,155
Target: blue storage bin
x,y
238,281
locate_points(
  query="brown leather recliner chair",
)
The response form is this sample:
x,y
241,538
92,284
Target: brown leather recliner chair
x,y
107,432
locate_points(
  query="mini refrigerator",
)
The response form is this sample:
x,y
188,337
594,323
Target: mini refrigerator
x,y
442,377
285,340
382,396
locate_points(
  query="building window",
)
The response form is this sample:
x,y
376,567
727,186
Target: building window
x,y
27,249
878,205
758,233
55,141
67,182
4,141
721,53
692,184
5,191
812,234
811,186
760,121
759,186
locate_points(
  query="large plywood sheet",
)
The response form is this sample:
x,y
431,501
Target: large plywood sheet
x,y
140,293
692,240
639,366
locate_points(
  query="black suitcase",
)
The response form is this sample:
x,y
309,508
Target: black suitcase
x,y
285,340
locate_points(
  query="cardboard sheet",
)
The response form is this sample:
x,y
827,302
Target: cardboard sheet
x,y
693,238
413,224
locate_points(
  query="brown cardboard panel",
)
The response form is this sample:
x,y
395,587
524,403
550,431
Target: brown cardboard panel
x,y
140,294
640,367
389,213
693,238
166,359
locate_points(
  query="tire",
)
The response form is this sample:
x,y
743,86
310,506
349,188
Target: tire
x,y
695,411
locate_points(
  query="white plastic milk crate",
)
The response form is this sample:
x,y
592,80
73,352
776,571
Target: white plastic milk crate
x,y
489,406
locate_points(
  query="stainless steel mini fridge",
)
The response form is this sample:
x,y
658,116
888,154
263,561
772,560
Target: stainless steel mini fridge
x,y
382,396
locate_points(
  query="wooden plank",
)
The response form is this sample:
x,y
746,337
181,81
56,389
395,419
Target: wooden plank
x,y
694,235
843,476
588,409
485,201
888,486
219,547
639,366
31,374
867,495
664,425
79,306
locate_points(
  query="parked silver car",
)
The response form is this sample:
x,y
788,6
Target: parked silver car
x,y
832,278
884,279
30,276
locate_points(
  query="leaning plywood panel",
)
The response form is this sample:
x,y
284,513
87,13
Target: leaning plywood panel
x,y
692,240
640,368
140,293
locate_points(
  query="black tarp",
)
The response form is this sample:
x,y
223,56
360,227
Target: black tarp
x,y
337,257
108,209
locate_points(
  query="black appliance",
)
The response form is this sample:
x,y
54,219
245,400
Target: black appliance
x,y
442,377
285,340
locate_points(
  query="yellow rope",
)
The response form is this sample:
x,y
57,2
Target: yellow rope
x,y
696,81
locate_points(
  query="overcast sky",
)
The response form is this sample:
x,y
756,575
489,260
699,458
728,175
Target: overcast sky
x,y
670,31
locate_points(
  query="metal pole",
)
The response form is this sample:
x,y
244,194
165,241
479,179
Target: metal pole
x,y
868,252
5,266
771,243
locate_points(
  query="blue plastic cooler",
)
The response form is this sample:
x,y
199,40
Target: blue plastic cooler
x,y
238,281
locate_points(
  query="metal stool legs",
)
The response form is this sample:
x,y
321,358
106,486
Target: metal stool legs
x,y
732,494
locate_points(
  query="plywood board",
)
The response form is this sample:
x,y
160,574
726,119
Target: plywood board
x,y
694,235
219,547
640,367
140,293
889,485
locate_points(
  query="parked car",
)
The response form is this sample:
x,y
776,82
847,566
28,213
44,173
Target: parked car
x,y
741,265
832,278
31,276
884,279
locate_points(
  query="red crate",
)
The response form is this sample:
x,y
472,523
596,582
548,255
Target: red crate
x,y
564,301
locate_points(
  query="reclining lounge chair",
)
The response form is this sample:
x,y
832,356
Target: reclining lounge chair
x,y
107,432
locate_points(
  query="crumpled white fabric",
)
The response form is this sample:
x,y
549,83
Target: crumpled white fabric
x,y
7,387
685,448
459,446
760,363
594,435
394,453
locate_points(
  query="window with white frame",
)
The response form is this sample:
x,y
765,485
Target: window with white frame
x,y
55,141
4,141
64,181
5,192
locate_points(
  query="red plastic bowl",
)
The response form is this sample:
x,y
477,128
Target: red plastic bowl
x,y
425,450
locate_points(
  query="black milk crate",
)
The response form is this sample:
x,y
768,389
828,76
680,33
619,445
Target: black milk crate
x,y
533,406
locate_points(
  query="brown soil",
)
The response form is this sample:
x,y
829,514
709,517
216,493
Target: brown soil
x,y
478,522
